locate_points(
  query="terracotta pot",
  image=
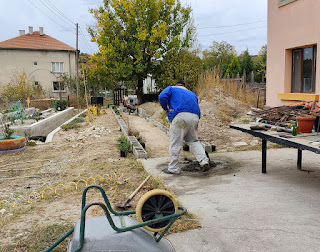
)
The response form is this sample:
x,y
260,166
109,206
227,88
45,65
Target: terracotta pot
x,y
15,142
317,124
305,124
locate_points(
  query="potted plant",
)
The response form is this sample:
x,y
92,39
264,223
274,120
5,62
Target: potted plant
x,y
10,142
7,131
124,146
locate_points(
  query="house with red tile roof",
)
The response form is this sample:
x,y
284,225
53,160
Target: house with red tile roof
x,y
43,58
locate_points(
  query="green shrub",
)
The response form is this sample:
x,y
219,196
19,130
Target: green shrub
x,y
73,124
7,131
164,119
59,105
78,120
124,145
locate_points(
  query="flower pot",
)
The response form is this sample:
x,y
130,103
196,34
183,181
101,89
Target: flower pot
x,y
305,124
317,124
123,154
13,143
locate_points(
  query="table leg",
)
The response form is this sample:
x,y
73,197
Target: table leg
x,y
299,161
264,156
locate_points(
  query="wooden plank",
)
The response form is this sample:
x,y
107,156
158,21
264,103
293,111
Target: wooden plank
x,y
298,96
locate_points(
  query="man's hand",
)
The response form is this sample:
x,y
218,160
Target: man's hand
x,y
166,111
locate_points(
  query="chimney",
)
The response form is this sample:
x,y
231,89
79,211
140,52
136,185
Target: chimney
x,y
21,32
30,30
41,31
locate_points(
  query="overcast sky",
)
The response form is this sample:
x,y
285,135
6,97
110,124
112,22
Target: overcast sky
x,y
242,23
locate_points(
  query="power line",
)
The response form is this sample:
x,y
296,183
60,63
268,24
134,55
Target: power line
x,y
53,12
85,44
234,31
49,16
224,26
84,41
64,16
83,37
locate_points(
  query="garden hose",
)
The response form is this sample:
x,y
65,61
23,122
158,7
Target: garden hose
x,y
66,187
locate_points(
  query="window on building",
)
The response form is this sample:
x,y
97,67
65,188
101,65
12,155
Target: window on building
x,y
35,63
36,83
304,70
57,67
58,86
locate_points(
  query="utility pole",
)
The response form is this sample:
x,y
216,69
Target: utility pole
x,y
77,59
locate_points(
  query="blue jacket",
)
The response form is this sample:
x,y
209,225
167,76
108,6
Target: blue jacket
x,y
178,99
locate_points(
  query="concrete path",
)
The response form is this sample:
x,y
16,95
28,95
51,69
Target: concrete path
x,y
242,209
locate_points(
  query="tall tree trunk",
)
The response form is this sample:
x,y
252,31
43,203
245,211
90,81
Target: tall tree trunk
x,y
140,90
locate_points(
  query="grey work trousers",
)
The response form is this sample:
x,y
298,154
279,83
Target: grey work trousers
x,y
184,127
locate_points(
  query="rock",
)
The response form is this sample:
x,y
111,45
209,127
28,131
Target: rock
x,y
240,144
2,211
254,143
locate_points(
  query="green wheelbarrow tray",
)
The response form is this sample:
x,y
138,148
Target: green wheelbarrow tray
x,y
161,221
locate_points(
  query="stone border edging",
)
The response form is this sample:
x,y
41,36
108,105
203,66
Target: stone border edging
x,y
142,114
138,150
208,147
51,134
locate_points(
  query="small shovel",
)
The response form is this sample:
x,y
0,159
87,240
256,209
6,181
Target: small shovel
x,y
125,204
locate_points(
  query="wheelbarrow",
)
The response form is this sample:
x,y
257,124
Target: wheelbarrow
x,y
156,211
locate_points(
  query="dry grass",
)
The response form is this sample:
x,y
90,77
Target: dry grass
x,y
210,83
49,231
41,238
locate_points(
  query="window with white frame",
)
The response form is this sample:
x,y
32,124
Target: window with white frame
x,y
58,86
57,67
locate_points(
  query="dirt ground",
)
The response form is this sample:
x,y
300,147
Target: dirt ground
x,y
157,142
74,158
213,125
79,156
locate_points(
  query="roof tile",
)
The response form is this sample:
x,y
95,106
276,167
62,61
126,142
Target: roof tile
x,y
35,41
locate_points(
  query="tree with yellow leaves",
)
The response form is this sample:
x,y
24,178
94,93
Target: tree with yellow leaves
x,y
20,88
134,34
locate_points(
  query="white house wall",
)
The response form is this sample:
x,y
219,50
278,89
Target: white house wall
x,y
12,61
149,85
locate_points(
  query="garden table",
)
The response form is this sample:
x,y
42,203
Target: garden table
x,y
303,141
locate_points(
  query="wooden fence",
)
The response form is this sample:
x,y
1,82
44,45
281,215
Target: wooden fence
x,y
118,95
251,86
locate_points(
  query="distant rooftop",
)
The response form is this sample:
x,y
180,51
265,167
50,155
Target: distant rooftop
x,y
35,41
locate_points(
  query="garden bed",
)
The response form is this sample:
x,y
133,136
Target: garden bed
x,y
43,127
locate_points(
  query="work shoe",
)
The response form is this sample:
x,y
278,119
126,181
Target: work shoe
x,y
205,167
166,170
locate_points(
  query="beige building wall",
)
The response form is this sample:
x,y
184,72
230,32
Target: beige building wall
x,y
23,60
290,26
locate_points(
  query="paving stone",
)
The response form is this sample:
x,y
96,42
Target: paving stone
x,y
240,144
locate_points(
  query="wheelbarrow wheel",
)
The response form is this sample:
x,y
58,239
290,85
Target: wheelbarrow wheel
x,y
154,205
